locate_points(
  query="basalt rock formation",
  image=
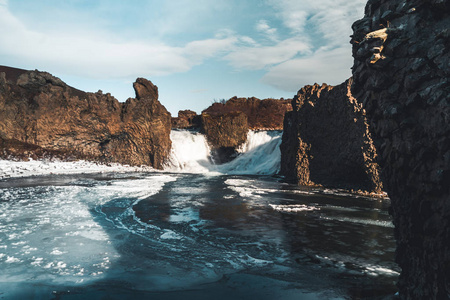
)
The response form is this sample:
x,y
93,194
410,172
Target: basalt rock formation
x,y
225,132
326,140
187,119
402,76
267,114
39,111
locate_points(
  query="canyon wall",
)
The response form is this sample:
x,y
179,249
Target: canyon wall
x,y
401,75
326,140
39,111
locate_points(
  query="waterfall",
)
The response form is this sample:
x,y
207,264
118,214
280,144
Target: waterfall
x,y
260,155
190,153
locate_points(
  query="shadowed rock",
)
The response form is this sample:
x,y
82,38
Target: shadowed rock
x,y
402,77
326,140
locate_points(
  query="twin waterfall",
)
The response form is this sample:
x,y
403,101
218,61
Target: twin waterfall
x,y
260,155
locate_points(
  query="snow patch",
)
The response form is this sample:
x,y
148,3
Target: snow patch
x,y
12,169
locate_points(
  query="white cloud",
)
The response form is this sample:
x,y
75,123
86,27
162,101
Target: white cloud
x,y
331,19
323,23
255,58
248,40
263,27
94,55
199,50
331,66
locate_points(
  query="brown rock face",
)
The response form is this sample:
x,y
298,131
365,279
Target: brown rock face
x,y
187,119
326,140
402,77
267,114
39,109
225,133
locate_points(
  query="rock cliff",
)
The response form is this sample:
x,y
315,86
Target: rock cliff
x,y
267,114
187,119
326,140
39,110
402,76
225,132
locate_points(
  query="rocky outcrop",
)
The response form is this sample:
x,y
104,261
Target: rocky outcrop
x,y
267,114
39,109
326,140
187,119
402,76
225,132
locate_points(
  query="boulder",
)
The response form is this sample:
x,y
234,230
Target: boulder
x,y
40,109
326,141
401,75
225,133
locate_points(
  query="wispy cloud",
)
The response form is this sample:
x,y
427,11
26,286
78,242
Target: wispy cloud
x,y
263,27
331,19
331,66
327,24
259,57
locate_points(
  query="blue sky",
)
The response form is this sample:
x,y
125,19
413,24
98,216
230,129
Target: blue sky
x,y
194,51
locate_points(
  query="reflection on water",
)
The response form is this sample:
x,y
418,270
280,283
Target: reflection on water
x,y
168,236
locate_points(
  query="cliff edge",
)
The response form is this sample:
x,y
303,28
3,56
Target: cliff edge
x,y
401,75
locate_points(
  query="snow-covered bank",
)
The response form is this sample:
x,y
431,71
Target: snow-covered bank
x,y
9,169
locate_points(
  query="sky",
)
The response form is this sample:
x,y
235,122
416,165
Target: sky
x,y
196,52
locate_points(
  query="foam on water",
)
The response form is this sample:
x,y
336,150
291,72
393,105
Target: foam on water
x,y
387,224
50,231
293,208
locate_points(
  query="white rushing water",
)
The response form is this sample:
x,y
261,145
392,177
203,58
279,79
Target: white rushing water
x,y
260,155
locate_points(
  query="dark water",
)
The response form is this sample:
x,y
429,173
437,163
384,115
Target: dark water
x,y
184,236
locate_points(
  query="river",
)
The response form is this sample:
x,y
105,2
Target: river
x,y
193,231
